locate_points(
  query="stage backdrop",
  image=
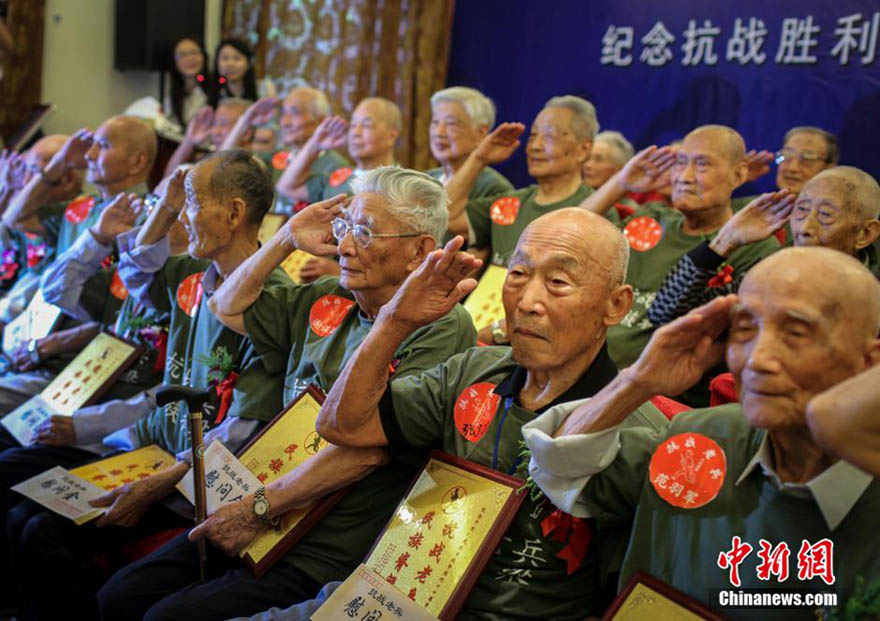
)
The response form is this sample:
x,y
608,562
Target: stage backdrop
x,y
655,69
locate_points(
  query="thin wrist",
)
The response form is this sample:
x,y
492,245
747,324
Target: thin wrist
x,y
635,385
722,244
98,237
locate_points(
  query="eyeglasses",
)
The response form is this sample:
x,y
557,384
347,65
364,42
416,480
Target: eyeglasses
x,y
807,158
362,234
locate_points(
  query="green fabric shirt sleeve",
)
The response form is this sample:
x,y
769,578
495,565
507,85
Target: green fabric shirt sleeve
x,y
316,185
163,288
478,216
434,343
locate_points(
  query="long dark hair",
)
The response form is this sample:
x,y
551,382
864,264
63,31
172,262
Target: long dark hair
x,y
250,78
177,88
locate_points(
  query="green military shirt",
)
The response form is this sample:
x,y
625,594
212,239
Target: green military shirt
x,y
309,332
177,289
65,221
681,546
445,408
334,178
326,163
657,242
489,182
498,221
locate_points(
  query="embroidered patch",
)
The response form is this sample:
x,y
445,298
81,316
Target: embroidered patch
x,y
189,293
340,176
79,208
279,160
474,410
503,211
688,470
327,313
117,287
643,233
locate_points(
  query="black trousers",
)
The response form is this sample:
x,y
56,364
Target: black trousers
x,y
165,585
56,561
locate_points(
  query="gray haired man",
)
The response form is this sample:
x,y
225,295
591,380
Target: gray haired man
x,y
308,333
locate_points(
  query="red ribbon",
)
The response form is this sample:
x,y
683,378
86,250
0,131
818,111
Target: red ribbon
x,y
158,340
723,277
224,392
575,531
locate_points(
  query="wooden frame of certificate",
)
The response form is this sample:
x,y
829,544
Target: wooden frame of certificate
x,y
270,546
440,492
645,596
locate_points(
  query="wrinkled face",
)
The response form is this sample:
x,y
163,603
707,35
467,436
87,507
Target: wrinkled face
x,y
554,298
383,265
188,58
452,132
224,120
793,173
109,159
552,148
703,175
297,121
264,140
601,164
369,135
232,64
204,217
821,217
788,342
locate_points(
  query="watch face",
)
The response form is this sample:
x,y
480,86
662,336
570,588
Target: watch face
x,y
261,506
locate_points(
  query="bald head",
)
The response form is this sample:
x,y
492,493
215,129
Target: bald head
x,y
139,136
385,109
727,139
301,112
859,191
311,99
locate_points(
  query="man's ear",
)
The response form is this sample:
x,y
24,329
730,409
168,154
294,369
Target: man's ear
x,y
482,131
872,357
426,245
868,233
236,215
740,174
585,148
618,304
137,164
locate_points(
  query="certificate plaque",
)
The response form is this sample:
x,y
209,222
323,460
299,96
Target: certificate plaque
x,y
647,597
294,263
35,322
269,226
286,442
484,303
443,532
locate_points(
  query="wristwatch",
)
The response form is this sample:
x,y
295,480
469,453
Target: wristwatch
x,y
261,509
33,351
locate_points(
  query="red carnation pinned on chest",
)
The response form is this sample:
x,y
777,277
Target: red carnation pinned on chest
x,y
503,211
643,233
279,160
340,176
327,313
688,470
189,293
117,287
723,277
474,410
79,208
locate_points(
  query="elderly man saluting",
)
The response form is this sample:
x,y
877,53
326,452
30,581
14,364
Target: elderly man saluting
x,y
738,496
564,288
307,333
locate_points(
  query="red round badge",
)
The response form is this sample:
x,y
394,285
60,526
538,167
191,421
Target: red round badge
x,y
189,293
79,208
503,211
327,313
279,160
117,288
643,233
688,470
474,410
340,176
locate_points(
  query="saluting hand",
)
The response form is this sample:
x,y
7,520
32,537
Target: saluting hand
x,y
117,218
311,230
758,163
755,222
500,143
332,133
645,172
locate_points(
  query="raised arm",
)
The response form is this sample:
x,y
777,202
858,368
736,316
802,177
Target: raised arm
x,y
166,211
21,214
309,230
258,113
495,147
197,131
330,134
844,420
233,526
647,171
350,414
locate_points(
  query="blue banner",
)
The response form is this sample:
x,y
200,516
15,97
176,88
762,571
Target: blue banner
x,y
656,70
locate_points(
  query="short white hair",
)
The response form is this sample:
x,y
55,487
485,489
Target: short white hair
x,y
584,123
622,147
480,108
416,199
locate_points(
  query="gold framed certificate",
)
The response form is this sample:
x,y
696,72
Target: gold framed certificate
x,y
270,225
443,532
294,263
286,442
647,597
484,303
37,320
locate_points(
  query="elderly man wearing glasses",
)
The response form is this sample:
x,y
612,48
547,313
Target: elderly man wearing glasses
x,y
308,333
